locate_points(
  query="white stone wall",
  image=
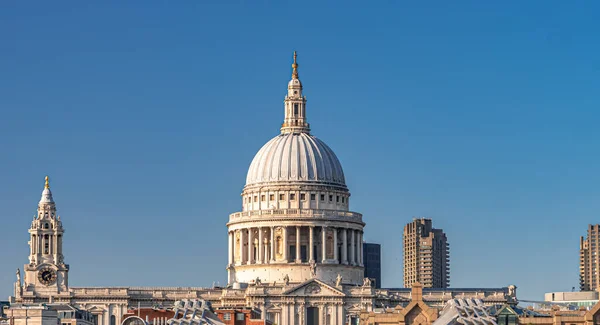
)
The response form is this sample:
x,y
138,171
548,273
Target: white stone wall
x,y
269,274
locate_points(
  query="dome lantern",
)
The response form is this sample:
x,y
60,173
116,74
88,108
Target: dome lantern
x,y
295,105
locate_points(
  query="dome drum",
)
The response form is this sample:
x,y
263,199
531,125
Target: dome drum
x,y
269,198
274,251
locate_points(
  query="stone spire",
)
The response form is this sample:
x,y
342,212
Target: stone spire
x,y
295,105
47,194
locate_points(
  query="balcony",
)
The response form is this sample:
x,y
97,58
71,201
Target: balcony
x,y
257,215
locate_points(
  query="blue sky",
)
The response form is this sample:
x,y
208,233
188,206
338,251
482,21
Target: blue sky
x,y
146,114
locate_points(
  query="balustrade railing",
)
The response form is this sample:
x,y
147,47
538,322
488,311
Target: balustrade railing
x,y
305,213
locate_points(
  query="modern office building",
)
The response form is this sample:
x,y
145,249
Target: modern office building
x,y
426,255
588,259
575,300
372,262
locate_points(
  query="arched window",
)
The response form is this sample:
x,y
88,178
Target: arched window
x,y
46,226
46,245
113,320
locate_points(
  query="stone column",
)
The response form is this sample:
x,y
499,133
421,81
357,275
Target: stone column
x,y
322,315
360,248
334,313
311,243
250,248
241,246
324,244
286,314
55,248
230,248
344,246
266,252
40,248
335,246
285,244
298,259
260,245
302,313
272,244
352,248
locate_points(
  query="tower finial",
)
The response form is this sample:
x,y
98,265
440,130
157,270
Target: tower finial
x,y
295,67
47,185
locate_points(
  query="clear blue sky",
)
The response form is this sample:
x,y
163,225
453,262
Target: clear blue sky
x,y
146,114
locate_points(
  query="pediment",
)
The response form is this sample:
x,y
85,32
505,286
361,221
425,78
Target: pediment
x,y
313,287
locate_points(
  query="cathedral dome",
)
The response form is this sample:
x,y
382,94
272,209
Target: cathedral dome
x,y
295,157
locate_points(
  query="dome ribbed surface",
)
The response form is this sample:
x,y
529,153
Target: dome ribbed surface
x,y
295,157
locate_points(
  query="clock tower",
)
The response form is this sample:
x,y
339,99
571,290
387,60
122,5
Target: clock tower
x,y
46,273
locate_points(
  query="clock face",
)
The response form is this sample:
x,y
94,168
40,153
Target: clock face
x,y
47,276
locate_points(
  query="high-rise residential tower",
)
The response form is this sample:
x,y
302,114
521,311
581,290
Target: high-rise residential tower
x,y
426,255
588,259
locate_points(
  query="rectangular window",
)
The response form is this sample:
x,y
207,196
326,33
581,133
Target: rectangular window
x,y
227,316
322,197
296,109
312,197
303,254
343,199
281,197
337,198
292,196
271,197
255,198
239,316
302,196
262,198
331,198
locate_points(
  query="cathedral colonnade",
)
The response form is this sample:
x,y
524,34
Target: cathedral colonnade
x,y
295,244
